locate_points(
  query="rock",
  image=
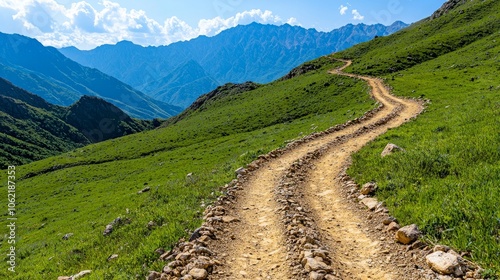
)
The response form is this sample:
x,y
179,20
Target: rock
x,y
316,276
153,275
390,149
445,263
314,265
196,234
389,220
81,274
108,230
368,188
203,250
64,278
146,189
393,226
370,202
407,234
113,257
186,277
183,257
67,236
198,273
441,248
240,171
151,225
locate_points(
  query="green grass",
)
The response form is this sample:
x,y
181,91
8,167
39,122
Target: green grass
x,y
82,191
448,179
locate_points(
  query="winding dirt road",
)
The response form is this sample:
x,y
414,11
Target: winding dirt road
x,y
256,246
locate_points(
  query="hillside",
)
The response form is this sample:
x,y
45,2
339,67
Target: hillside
x,y
153,187
447,180
103,180
32,129
254,52
49,74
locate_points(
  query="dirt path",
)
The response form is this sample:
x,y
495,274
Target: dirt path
x,y
256,247
288,216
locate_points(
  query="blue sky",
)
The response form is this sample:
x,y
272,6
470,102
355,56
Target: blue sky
x,y
90,23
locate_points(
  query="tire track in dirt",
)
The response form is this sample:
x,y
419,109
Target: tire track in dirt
x,y
250,231
257,245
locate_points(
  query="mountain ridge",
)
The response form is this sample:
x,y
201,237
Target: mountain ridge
x,y
59,80
254,52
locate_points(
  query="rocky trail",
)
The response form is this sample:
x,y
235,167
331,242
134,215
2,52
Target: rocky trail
x,y
295,214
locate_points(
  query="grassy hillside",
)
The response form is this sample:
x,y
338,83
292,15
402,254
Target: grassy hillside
x,y
32,129
448,179
82,191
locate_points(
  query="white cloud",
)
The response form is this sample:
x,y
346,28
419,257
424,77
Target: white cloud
x,y
86,26
343,9
357,15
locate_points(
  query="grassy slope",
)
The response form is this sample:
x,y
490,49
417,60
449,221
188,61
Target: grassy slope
x,y
447,181
211,143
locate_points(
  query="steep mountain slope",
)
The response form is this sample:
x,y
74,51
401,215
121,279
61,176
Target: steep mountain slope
x,y
182,86
447,180
230,127
256,52
32,129
59,80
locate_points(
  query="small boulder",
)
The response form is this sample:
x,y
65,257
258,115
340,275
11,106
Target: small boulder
x,y
390,149
241,171
67,236
370,202
407,234
146,189
316,276
368,188
315,265
113,257
196,234
393,226
81,274
151,225
198,273
389,220
108,230
153,275
445,263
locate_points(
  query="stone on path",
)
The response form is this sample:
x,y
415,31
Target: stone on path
x,y
407,234
370,202
198,273
445,263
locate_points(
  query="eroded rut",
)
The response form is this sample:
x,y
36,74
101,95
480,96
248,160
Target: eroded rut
x,y
257,235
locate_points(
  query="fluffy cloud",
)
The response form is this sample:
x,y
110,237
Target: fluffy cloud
x,y
343,10
357,15
86,26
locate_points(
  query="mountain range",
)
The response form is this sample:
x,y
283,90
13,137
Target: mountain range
x,y
180,72
32,129
46,72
